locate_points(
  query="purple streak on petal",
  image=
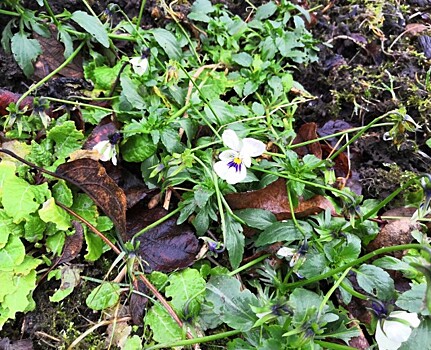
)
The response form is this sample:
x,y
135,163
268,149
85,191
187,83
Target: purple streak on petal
x,y
235,165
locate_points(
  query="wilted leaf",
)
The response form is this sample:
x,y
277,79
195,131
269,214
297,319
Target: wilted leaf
x,y
72,245
308,132
70,278
53,56
166,247
138,302
91,177
274,199
7,97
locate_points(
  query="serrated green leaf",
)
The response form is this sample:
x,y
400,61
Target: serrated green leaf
x,y
7,228
168,43
257,218
34,228
51,212
243,59
185,289
85,207
420,337
6,284
67,139
130,92
25,51
201,196
92,25
62,193
20,300
95,246
231,303
132,343
12,254
20,199
376,281
165,329
235,241
103,296
7,170
137,148
413,300
55,242
285,231
265,11
103,77
303,301
66,39
29,264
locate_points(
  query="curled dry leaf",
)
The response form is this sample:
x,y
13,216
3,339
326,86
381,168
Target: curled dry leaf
x,y
308,132
274,199
72,245
91,177
138,302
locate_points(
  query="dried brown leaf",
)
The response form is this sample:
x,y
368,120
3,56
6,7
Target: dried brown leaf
x,y
308,132
72,245
274,199
91,177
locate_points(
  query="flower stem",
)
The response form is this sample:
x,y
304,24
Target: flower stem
x,y
141,12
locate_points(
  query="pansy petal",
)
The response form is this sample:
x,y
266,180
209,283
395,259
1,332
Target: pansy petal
x,y
233,176
221,169
411,317
228,155
231,140
383,341
252,147
139,65
396,331
246,160
104,149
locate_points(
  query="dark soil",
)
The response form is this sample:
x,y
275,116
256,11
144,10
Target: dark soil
x,y
365,48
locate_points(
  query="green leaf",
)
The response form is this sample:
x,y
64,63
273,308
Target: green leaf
x,y
85,207
243,59
6,283
420,337
413,300
234,241
34,228
171,140
51,212
132,343
168,43
200,9
185,289
62,193
428,142
12,254
257,218
130,92
20,300
283,232
265,11
231,303
55,242
7,227
103,296
67,139
376,281
70,278
303,301
67,41
137,148
165,329
95,246
25,51
92,25
220,113
20,199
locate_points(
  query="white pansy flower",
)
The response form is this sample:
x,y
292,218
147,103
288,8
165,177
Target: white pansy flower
x,y
139,64
107,151
233,163
396,329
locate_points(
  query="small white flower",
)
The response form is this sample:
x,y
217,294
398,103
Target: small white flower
x,y
233,163
396,329
107,151
285,252
139,64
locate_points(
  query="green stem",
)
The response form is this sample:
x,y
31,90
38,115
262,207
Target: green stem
x,y
353,292
186,342
50,75
331,291
249,264
89,8
51,13
328,345
9,13
74,103
156,223
126,37
353,263
141,12
220,206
